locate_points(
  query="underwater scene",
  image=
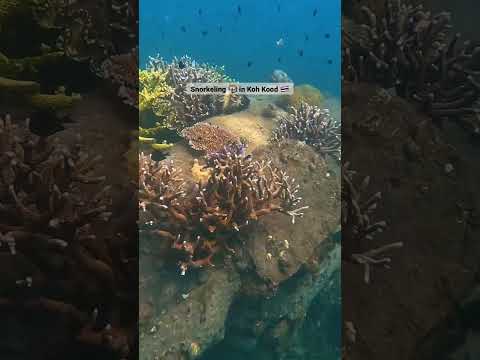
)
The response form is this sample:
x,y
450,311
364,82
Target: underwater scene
x,y
239,193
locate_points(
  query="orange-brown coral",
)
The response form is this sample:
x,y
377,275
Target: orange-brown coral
x,y
209,138
203,221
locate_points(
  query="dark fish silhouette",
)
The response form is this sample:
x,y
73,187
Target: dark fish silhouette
x,y
307,37
200,12
220,28
46,122
327,36
239,10
278,7
330,61
315,12
279,60
204,32
181,65
250,63
183,28
300,52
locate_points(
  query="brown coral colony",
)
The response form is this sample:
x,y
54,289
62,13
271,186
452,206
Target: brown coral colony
x,y
203,220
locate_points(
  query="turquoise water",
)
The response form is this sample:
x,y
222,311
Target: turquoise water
x,y
243,36
217,32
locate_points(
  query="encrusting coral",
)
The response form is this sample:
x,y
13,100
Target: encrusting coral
x,y
413,53
201,221
357,227
312,125
48,222
209,138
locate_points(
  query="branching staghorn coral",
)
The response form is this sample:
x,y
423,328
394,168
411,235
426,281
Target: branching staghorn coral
x,y
202,221
414,53
122,71
190,109
357,227
51,202
312,125
155,95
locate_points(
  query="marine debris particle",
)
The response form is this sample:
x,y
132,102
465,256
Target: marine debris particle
x,y
208,138
201,221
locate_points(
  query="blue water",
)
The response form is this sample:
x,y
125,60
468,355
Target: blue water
x,y
174,28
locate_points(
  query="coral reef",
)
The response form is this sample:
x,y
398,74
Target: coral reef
x,y
190,109
302,93
55,261
122,71
201,222
357,227
413,53
265,286
209,138
312,125
155,94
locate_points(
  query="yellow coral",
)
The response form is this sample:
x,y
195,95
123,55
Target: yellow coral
x,y
200,173
155,94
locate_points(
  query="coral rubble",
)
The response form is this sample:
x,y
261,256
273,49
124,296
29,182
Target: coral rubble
x,y
312,125
201,221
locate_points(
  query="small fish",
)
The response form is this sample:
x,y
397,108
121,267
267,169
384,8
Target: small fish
x,y
200,12
181,65
280,43
279,60
204,32
330,61
300,52
307,37
239,10
327,36
183,28
250,63
315,12
220,28
278,7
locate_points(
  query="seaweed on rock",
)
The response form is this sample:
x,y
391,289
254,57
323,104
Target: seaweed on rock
x,y
201,221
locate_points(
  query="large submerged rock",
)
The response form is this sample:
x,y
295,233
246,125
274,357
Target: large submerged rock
x,y
282,265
